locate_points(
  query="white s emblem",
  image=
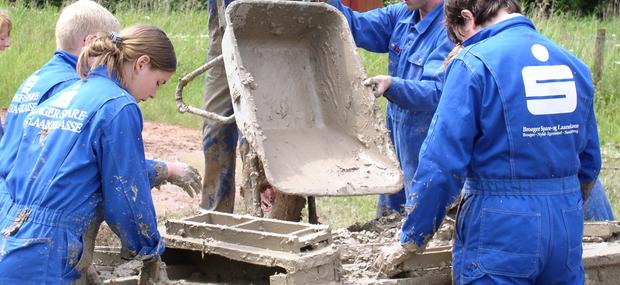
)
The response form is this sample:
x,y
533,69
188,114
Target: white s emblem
x,y
549,89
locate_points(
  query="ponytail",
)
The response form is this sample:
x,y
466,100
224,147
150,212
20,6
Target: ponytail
x,y
457,48
113,51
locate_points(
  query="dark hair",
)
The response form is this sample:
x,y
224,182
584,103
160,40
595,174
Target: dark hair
x,y
483,11
114,50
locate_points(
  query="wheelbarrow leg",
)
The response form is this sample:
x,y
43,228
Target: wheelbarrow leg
x,y
312,215
252,180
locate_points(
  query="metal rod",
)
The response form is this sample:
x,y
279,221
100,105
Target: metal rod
x,y
183,107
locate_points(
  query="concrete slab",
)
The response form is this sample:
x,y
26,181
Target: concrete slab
x,y
299,253
439,257
604,230
251,231
602,263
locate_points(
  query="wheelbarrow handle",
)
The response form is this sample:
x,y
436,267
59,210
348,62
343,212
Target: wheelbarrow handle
x,y
183,107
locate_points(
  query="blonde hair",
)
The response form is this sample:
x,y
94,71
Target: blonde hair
x,y
80,19
453,53
5,21
114,51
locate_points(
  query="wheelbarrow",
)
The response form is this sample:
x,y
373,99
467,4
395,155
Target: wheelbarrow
x,y
295,80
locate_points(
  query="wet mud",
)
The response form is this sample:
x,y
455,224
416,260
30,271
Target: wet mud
x,y
360,245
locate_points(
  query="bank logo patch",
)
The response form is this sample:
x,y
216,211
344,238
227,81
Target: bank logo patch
x,y
549,89
63,99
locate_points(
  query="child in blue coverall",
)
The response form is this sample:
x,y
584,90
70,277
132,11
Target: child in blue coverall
x,y
81,158
75,27
5,34
414,36
516,127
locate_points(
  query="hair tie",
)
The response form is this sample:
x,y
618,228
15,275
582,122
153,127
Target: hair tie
x,y
116,39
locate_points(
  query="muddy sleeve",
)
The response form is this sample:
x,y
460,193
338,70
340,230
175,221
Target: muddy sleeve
x,y
371,30
157,171
422,94
127,201
590,157
444,156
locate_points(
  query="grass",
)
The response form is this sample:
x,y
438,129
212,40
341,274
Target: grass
x,y
33,43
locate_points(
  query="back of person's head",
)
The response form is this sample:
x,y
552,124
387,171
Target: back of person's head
x,y
5,22
80,19
483,11
114,51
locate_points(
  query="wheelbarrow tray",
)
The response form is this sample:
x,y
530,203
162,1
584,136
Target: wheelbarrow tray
x,y
296,85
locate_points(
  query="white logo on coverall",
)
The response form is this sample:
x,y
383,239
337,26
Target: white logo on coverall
x,y
25,101
57,116
549,89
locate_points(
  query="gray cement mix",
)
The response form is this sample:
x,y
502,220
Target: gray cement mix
x,y
360,245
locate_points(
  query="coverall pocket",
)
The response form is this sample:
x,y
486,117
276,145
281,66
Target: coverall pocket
x,y
416,61
21,257
393,58
506,251
461,213
73,256
573,221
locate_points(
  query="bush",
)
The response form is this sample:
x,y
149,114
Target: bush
x,y
580,7
114,5
546,7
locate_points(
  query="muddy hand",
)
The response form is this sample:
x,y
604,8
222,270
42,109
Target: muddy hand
x,y
185,176
379,84
390,260
153,272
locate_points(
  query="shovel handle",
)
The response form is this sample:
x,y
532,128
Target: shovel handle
x,y
183,107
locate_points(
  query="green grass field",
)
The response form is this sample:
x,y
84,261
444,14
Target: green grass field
x,y
32,42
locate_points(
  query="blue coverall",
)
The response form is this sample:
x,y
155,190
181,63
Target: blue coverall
x,y
597,206
81,158
417,49
55,75
515,126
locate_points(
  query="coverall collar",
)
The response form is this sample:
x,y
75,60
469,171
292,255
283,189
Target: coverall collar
x,y
498,28
102,71
422,25
67,57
